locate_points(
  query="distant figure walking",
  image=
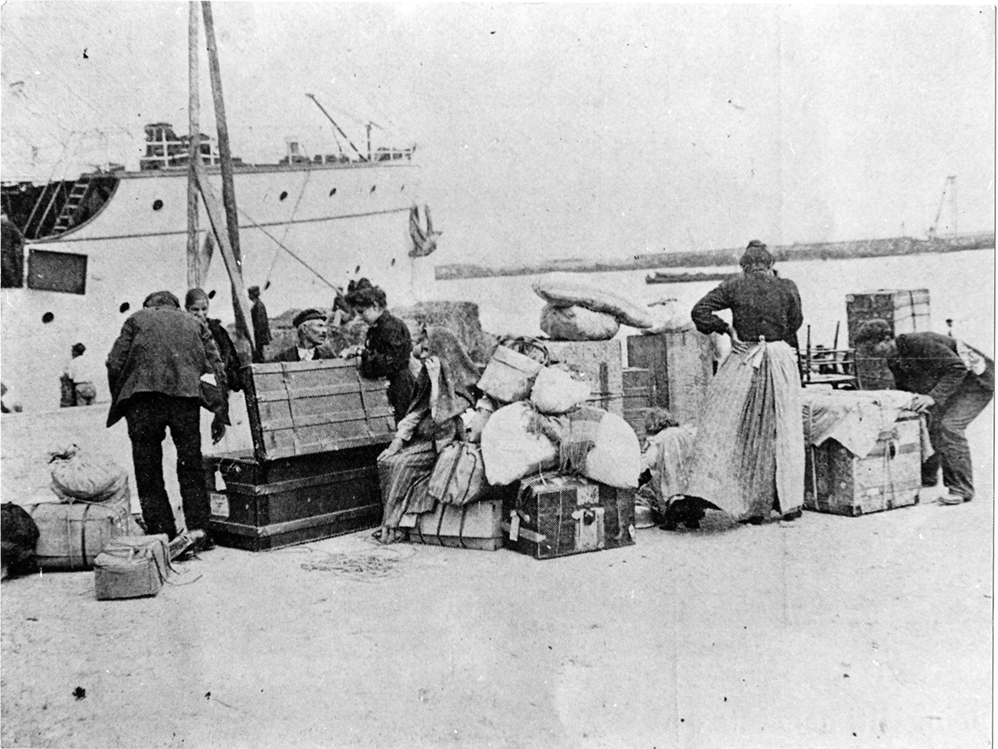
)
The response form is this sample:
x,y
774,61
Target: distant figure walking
x,y
954,383
261,323
79,379
748,454
154,370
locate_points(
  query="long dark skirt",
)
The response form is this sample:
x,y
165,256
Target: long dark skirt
x,y
404,478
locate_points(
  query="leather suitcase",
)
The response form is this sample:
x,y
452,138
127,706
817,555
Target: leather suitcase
x,y
473,526
554,516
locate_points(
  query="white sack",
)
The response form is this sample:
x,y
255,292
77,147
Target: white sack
x,y
577,324
511,452
555,391
566,290
615,460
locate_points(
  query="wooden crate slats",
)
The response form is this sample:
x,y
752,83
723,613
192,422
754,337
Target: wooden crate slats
x,y
300,408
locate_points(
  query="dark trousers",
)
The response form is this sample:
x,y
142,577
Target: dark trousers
x,y
148,415
947,431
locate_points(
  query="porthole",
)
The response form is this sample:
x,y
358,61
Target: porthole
x,y
284,195
157,204
211,294
125,306
48,317
393,263
373,188
402,189
356,270
332,192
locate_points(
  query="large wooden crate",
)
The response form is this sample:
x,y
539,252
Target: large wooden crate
x,y
602,363
300,408
681,364
554,516
904,310
271,515
317,430
889,477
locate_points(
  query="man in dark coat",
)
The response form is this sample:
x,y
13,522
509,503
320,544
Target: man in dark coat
x,y
261,323
310,326
954,382
154,371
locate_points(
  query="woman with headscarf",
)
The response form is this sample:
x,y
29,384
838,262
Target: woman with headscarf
x,y
196,302
444,389
748,454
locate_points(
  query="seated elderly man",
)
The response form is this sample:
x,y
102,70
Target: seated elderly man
x,y
310,325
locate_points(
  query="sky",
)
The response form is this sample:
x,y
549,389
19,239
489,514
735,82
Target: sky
x,y
553,130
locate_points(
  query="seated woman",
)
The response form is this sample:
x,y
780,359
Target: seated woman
x,y
387,348
445,388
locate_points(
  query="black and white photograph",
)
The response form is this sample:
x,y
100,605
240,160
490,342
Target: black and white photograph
x,y
497,375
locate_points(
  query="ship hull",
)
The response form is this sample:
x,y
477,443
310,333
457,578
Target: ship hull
x,y
339,222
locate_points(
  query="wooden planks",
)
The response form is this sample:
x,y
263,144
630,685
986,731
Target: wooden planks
x,y
301,408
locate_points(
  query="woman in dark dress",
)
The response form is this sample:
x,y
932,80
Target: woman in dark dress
x,y
748,454
196,302
444,389
387,349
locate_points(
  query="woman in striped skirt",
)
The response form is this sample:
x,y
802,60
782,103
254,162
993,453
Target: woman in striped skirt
x,y
444,389
748,455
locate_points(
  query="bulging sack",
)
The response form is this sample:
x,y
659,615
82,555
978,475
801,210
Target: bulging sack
x,y
555,391
77,474
615,459
459,475
565,290
510,449
577,324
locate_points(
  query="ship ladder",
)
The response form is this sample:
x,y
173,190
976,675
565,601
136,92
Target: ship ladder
x,y
72,204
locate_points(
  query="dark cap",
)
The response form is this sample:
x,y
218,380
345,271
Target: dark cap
x,y
307,314
78,349
253,291
872,331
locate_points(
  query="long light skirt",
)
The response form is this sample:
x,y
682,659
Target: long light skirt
x,y
748,455
404,478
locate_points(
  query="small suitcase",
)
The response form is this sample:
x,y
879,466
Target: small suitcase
x,y
554,516
473,526
131,567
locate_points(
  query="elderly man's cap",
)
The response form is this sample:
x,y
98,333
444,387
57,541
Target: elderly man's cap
x,y
872,331
253,291
307,314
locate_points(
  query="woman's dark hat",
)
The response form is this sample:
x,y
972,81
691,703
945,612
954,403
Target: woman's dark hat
x,y
161,299
755,254
872,331
307,314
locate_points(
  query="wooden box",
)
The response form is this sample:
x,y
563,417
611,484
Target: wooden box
x,y
474,526
681,364
889,477
296,510
905,311
638,397
554,516
300,408
602,362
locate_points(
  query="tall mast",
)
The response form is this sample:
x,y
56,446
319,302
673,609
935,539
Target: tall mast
x,y
193,151
228,188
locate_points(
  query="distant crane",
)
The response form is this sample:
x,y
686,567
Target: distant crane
x,y
949,189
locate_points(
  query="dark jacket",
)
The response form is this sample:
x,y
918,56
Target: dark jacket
x,y
164,351
290,354
387,348
261,324
760,304
228,354
928,363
